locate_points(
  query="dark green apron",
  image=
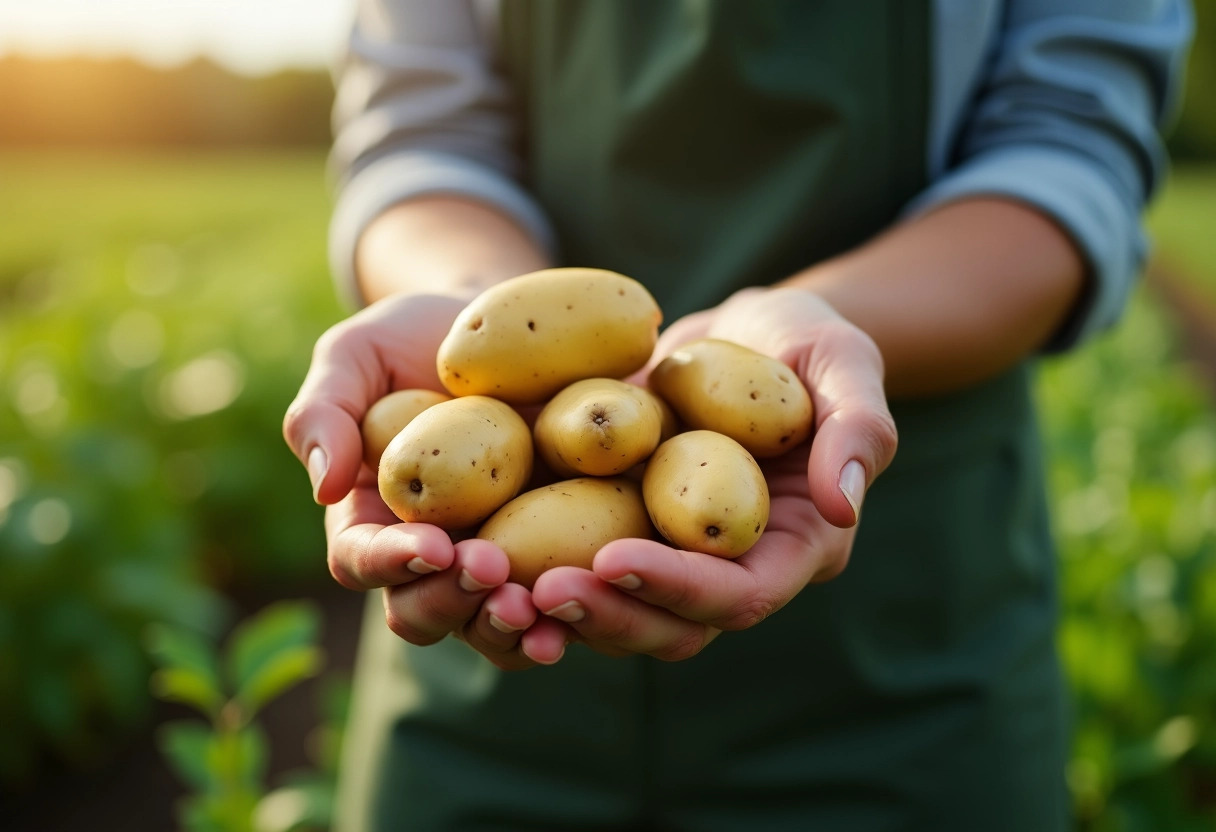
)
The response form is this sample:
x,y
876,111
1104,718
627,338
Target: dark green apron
x,y
700,147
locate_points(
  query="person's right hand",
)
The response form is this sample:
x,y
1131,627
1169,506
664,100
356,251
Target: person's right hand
x,y
432,586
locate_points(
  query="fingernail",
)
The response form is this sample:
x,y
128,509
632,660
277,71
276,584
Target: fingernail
x,y
420,567
552,661
318,465
627,581
502,626
570,612
853,485
469,584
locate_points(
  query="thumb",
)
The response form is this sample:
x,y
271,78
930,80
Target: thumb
x,y
389,345
322,424
855,435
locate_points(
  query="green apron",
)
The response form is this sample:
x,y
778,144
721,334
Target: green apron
x,y
700,147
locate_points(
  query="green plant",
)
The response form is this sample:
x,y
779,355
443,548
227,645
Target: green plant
x,y
156,318
224,762
1180,223
1132,442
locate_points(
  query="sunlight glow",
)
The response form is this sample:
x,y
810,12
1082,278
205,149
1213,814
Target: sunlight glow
x,y
250,36
50,520
205,385
136,338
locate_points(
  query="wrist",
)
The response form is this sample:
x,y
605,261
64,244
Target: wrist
x,y
956,295
443,245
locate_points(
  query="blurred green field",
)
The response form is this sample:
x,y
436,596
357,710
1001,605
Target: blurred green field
x,y
156,318
1182,223
1131,439
157,314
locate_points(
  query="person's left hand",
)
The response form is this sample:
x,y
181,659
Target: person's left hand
x,y
642,596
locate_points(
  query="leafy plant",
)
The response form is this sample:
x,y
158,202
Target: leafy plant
x,y
1132,443
156,317
224,761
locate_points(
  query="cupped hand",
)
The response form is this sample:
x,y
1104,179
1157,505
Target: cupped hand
x,y
432,586
646,597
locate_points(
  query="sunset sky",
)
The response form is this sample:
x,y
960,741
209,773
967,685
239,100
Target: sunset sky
x,y
251,36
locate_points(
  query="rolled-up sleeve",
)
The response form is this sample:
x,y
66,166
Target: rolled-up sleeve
x,y
1068,119
419,109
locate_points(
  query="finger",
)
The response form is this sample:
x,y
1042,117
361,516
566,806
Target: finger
x,y
545,641
370,548
725,594
370,556
497,629
855,434
387,346
504,616
842,368
425,611
322,423
602,615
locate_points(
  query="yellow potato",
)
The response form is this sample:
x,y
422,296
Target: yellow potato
x,y
598,426
523,340
705,493
669,424
566,523
456,463
722,386
387,416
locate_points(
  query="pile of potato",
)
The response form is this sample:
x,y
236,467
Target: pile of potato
x,y
563,339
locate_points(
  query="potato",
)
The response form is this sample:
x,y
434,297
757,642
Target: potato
x,y
722,386
705,493
669,424
566,523
456,463
523,340
387,416
598,426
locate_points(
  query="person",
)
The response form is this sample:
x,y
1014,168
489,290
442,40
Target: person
x,y
906,202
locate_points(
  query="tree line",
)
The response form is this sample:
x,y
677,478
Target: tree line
x,y
123,103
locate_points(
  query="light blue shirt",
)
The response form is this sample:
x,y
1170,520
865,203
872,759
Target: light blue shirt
x,y
1056,103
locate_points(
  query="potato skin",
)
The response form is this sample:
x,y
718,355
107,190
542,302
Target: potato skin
x,y
566,523
725,387
705,493
388,415
523,340
456,463
599,427
669,424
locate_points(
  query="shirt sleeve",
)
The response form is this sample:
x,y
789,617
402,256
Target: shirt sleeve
x,y
1067,119
420,109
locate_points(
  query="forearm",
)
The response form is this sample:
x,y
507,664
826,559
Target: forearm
x,y
956,295
444,245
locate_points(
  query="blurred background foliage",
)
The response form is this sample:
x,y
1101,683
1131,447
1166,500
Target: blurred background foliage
x,y
162,280
156,317
123,103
